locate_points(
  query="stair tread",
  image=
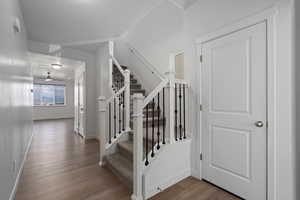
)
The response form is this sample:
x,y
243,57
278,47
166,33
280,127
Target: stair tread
x,y
137,90
126,148
126,145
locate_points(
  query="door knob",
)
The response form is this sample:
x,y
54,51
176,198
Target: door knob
x,y
259,124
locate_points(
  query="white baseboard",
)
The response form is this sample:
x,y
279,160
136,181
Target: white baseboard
x,y
52,118
196,173
14,191
134,197
168,183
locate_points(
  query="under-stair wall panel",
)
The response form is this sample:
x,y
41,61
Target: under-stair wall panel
x,y
172,165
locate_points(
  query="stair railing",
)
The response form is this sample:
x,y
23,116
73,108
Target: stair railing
x,y
158,120
146,63
114,112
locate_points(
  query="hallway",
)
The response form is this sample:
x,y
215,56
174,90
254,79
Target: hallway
x,y
61,166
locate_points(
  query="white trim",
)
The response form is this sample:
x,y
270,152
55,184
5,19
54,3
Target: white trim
x,y
178,52
268,15
241,24
154,70
177,4
79,74
16,185
92,137
87,42
134,197
115,140
50,105
168,183
152,95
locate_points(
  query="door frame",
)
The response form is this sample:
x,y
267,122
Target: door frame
x,y
81,72
268,16
172,61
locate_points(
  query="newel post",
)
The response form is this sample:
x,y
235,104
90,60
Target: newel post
x,y
138,100
127,99
171,76
102,126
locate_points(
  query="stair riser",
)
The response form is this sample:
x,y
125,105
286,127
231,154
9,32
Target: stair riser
x,y
127,179
125,152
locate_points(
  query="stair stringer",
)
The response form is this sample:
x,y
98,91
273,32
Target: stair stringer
x,y
171,165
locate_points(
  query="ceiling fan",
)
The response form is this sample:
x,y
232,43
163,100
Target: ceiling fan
x,y
48,77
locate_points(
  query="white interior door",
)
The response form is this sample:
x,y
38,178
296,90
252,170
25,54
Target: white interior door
x,y
81,104
234,112
76,104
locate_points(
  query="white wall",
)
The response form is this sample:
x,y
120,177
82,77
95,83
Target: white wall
x,y
155,36
206,16
91,96
102,71
16,97
56,111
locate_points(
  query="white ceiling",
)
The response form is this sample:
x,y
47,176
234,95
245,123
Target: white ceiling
x,y
67,21
41,64
184,4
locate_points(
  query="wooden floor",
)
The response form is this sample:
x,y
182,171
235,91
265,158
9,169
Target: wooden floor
x,y
61,166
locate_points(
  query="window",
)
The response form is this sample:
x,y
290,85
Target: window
x,y
47,95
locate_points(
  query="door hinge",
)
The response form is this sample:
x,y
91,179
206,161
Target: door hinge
x,y
201,58
200,107
201,156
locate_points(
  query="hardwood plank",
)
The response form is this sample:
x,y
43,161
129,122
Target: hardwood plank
x,y
62,166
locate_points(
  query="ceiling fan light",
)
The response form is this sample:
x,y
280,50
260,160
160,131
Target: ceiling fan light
x,y
48,79
57,66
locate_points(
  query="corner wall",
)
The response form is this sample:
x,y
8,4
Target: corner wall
x,y
158,34
16,98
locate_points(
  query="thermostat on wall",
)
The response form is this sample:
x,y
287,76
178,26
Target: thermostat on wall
x,y
17,25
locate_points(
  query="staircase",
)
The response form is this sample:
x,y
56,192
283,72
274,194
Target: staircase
x,y
144,137
121,162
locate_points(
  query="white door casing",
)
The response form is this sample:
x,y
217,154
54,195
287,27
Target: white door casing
x,y
234,89
81,104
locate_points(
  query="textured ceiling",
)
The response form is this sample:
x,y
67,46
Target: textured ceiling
x,y
67,21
